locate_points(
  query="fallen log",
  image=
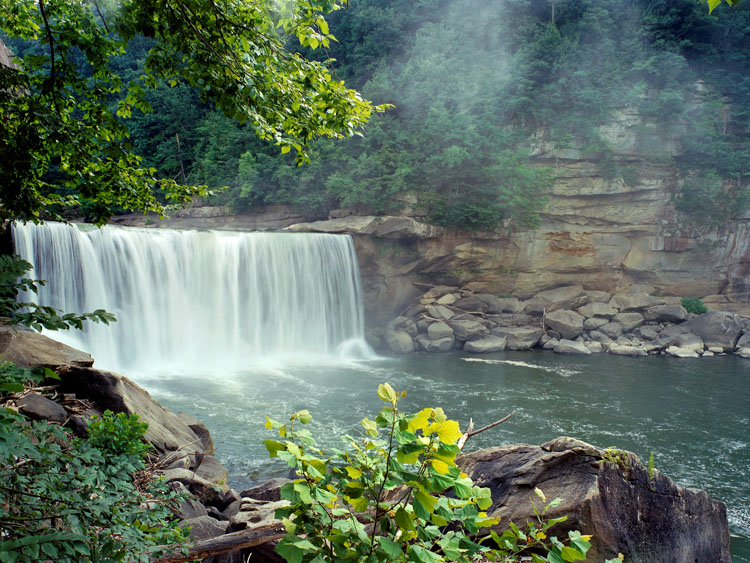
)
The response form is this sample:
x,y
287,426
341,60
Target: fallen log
x,y
227,543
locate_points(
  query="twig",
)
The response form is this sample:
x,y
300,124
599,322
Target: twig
x,y
469,433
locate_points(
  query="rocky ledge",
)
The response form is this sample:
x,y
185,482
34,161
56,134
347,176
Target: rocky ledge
x,y
566,320
609,494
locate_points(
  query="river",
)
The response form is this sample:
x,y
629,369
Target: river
x,y
694,415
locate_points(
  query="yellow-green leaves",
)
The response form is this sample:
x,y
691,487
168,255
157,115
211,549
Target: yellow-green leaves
x,y
713,3
387,394
370,427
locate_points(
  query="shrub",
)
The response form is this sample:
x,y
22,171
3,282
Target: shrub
x,y
399,497
694,305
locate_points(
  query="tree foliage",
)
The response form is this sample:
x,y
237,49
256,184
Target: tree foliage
x,y
63,104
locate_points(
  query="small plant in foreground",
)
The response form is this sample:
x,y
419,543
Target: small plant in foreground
x,y
694,305
397,497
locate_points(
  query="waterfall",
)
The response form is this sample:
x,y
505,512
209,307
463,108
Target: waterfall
x,y
199,299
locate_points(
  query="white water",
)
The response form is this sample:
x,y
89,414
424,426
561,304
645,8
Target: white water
x,y
200,300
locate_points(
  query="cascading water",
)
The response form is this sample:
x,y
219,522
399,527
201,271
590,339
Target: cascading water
x,y
191,299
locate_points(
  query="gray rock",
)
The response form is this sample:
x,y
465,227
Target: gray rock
x,y
646,517
439,291
708,354
594,347
206,492
440,345
744,341
598,296
204,527
255,515
597,309
743,352
212,471
669,331
468,329
687,341
678,352
536,305
598,336
568,323
594,323
519,338
485,345
516,319
41,408
200,430
448,299
647,333
508,305
563,294
626,302
629,321
270,490
550,343
611,329
399,341
624,350
571,347
717,329
472,304
440,312
191,508
109,390
438,331
666,313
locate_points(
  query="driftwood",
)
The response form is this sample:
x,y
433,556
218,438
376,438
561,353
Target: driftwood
x,y
227,543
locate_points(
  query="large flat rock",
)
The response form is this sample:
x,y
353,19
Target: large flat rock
x,y
608,494
30,349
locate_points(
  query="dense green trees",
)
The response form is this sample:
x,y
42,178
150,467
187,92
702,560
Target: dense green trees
x,y
475,88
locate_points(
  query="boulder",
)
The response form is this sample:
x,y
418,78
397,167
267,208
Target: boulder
x,y
666,313
570,347
687,341
717,328
29,349
439,345
536,305
568,323
438,291
200,430
743,352
594,347
191,508
744,341
594,323
205,492
270,490
468,329
646,517
597,309
440,312
626,302
550,343
41,408
399,341
647,333
212,471
471,304
611,329
599,336
625,350
113,391
598,296
629,321
678,352
497,305
485,345
255,515
448,299
515,319
204,527
519,338
564,294
439,330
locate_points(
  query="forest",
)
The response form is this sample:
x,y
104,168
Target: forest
x,y
471,89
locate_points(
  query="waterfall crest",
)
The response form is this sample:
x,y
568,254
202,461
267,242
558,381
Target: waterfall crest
x,y
191,299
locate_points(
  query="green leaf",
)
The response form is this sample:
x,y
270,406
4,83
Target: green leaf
x,y
404,520
386,393
572,554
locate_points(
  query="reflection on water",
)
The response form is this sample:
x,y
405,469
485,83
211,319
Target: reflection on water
x,y
693,414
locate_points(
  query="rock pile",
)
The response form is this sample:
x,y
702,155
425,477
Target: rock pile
x,y
566,320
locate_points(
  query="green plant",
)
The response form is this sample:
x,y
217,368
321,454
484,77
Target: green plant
x,y
66,499
693,305
395,497
620,458
651,468
118,434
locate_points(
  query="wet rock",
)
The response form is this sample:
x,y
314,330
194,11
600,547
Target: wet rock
x,y
550,343
519,338
485,345
571,347
647,518
688,341
678,352
594,347
399,341
568,323
41,408
624,350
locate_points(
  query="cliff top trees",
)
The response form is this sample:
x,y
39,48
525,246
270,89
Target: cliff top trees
x,y
62,138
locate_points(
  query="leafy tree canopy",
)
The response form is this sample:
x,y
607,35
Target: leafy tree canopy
x,y
62,103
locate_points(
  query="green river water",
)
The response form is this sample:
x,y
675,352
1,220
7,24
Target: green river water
x,y
693,414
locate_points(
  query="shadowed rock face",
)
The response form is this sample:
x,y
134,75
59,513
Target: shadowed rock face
x,y
609,495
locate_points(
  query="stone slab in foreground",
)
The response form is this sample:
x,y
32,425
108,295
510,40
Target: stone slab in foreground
x,y
607,494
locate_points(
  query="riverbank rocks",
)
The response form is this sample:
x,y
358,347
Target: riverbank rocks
x,y
29,349
632,323
606,493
